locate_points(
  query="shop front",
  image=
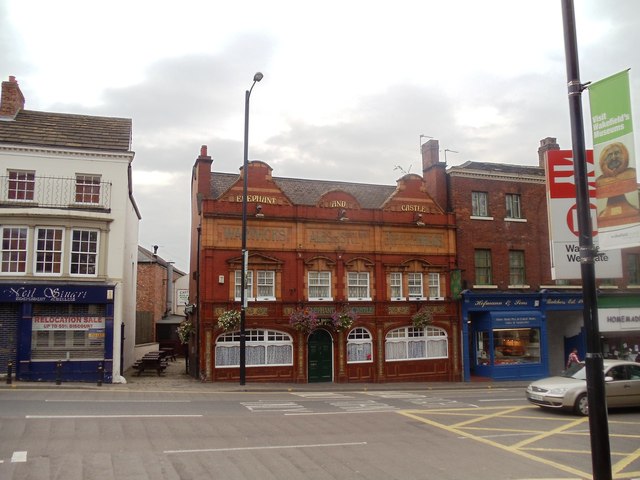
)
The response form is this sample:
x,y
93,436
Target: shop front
x,y
505,336
619,325
61,332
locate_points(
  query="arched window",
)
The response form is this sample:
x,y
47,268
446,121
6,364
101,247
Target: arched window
x,y
263,347
410,343
359,346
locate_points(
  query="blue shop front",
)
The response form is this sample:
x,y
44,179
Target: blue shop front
x,y
58,332
506,335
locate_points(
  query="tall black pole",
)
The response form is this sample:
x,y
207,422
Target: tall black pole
x,y
598,426
245,254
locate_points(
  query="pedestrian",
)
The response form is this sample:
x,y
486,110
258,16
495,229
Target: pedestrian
x,y
573,357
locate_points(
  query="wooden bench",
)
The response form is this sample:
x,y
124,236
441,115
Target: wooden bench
x,y
169,353
151,361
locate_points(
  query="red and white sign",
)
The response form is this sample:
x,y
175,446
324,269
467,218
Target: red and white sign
x,y
67,323
563,221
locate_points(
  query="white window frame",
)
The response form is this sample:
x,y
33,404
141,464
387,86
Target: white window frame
x,y
413,343
319,279
434,286
358,282
359,346
265,285
14,257
75,253
513,206
414,285
395,282
248,286
48,252
268,342
480,204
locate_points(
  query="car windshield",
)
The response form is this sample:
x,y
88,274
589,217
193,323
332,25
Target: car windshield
x,y
577,371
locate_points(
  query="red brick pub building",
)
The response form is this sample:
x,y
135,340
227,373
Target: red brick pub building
x,y
381,253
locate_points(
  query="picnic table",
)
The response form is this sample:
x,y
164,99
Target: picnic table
x,y
151,361
169,353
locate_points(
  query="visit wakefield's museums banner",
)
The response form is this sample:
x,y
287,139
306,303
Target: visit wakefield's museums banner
x,y
617,199
563,221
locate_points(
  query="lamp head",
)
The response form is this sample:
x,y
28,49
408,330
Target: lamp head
x,y
257,77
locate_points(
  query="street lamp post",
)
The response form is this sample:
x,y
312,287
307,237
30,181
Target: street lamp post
x,y
245,254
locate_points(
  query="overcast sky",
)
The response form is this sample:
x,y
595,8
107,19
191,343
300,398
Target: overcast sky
x,y
348,88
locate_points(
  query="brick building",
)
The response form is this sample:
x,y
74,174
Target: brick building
x,y
519,318
158,308
380,252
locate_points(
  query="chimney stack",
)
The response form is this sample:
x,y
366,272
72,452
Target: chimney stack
x,y
434,172
546,144
12,100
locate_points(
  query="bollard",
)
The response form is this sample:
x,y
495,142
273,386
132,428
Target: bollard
x,y
100,374
59,372
9,371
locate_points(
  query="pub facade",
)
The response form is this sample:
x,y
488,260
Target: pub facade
x,y
345,282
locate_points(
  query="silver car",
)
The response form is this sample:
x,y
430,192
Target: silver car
x,y
569,391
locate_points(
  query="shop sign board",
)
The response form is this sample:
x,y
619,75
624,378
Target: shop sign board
x,y
618,319
563,221
68,323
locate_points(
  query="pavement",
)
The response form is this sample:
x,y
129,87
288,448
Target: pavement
x,y
175,378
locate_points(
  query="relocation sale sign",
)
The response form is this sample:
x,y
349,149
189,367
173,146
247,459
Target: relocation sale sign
x,y
563,220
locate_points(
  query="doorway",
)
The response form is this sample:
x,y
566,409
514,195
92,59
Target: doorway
x,y
320,364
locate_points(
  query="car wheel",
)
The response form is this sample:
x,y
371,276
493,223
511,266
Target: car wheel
x,y
582,407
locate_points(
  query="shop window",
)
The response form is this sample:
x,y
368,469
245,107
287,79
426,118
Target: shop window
x,y
14,250
263,348
358,286
88,189
483,267
22,185
49,251
516,268
512,201
320,285
479,204
84,253
412,343
76,337
633,268
514,346
359,346
395,284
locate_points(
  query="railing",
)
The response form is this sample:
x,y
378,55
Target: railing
x,y
56,192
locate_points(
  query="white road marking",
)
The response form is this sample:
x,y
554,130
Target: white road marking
x,y
363,406
321,395
266,447
19,457
274,406
40,417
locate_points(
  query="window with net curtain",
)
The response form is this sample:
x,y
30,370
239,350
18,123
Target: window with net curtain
x,y
411,343
359,346
263,348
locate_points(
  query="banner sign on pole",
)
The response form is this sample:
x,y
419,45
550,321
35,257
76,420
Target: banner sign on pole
x,y
563,221
618,205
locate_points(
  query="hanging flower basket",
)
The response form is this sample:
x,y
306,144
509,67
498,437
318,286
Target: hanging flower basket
x,y
304,319
229,320
343,319
185,329
422,318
